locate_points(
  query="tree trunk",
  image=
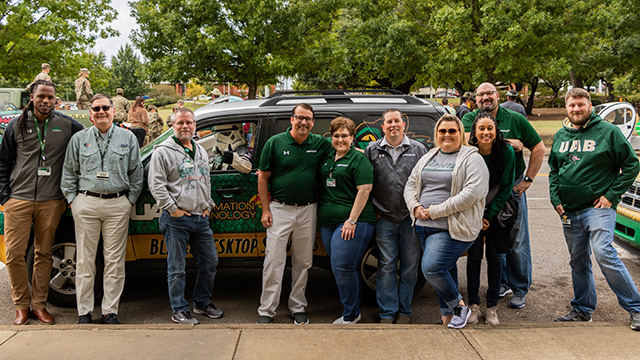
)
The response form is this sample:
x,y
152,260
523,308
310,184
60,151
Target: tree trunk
x,y
253,89
532,95
610,98
556,90
576,81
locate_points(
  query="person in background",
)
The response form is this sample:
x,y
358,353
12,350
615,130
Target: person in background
x,y
83,90
139,120
345,214
445,195
467,104
122,107
156,125
499,157
450,110
511,104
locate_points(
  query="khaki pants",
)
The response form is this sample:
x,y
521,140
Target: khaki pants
x,y
19,215
92,216
299,222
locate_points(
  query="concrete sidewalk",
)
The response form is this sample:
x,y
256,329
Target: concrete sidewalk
x,y
366,341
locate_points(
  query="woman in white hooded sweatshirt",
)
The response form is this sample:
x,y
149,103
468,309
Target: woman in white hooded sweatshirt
x,y
445,195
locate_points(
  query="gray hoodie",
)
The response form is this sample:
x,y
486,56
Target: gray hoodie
x,y
175,181
469,186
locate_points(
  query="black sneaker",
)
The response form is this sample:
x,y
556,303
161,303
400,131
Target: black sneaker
x,y
184,317
110,319
264,319
574,315
85,319
210,310
300,318
635,321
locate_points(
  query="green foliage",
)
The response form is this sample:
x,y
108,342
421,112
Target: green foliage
x,y
127,73
248,42
33,32
100,77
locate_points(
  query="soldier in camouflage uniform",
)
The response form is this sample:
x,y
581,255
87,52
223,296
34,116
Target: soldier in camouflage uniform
x,y
83,90
122,107
43,75
156,125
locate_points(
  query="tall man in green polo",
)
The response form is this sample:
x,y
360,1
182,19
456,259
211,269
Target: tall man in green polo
x,y
516,268
288,166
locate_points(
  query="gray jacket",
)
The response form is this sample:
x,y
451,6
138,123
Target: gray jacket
x,y
389,178
469,186
174,184
20,158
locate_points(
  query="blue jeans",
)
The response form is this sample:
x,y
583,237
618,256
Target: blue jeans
x,y
516,264
345,257
441,253
193,231
396,242
592,229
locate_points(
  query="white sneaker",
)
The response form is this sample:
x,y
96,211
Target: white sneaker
x,y
491,316
475,314
341,320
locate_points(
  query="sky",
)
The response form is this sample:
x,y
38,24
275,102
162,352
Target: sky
x,y
125,24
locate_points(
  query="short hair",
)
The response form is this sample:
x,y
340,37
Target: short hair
x,y
180,101
303,106
390,111
449,118
101,96
342,122
445,101
577,93
181,110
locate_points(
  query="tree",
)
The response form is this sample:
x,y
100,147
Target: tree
x,y
101,77
232,41
33,32
127,72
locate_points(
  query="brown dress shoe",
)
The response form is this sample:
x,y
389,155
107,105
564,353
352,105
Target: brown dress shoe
x,y
44,316
22,317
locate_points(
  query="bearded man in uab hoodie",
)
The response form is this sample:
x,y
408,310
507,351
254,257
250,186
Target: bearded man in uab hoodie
x,y
592,165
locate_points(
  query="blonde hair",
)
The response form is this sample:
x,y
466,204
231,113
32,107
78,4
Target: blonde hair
x,y
449,118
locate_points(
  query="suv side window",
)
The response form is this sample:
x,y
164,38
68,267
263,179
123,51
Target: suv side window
x,y
235,137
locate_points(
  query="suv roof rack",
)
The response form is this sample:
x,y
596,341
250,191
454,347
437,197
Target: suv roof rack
x,y
336,92
363,96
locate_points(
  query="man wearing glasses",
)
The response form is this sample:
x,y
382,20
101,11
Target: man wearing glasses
x,y
101,179
516,266
288,166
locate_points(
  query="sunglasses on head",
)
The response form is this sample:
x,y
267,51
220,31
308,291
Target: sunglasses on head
x,y
104,108
450,131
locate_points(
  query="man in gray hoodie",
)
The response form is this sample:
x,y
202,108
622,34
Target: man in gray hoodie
x,y
179,181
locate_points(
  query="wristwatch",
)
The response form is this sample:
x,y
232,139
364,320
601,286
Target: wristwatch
x,y
352,222
527,179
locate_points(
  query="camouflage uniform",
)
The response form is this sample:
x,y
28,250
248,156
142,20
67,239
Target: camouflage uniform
x,y
122,107
156,126
42,76
83,93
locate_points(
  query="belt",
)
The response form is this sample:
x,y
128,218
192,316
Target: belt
x,y
106,195
292,204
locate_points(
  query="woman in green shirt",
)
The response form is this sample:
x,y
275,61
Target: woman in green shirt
x,y
501,162
345,214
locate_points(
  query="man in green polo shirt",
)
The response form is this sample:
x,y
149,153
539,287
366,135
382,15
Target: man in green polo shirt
x,y
288,166
516,265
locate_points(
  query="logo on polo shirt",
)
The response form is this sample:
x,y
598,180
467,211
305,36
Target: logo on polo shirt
x,y
343,165
286,152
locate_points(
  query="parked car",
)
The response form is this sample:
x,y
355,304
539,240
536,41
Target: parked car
x,y
240,237
224,99
447,94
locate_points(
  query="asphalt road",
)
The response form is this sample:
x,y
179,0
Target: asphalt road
x,y
237,291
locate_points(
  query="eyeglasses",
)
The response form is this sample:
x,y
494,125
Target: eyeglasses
x,y
340,136
104,108
451,131
303,118
486,93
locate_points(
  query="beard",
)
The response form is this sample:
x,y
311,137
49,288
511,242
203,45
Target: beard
x,y
184,136
578,119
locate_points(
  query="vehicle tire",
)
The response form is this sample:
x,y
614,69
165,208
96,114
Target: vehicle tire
x,y
62,285
369,271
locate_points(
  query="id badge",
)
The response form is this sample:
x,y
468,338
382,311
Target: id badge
x,y
566,222
44,171
331,182
102,175
188,164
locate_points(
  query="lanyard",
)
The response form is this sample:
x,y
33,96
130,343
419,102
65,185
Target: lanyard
x,y
41,136
103,150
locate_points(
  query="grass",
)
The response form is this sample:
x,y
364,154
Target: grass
x,y
547,129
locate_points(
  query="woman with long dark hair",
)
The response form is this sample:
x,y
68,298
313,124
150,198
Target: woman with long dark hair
x,y
501,161
139,120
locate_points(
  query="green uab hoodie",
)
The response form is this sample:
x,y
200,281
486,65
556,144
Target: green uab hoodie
x,y
589,162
